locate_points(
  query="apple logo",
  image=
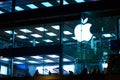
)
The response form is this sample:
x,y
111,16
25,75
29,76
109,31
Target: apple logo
x,y
82,31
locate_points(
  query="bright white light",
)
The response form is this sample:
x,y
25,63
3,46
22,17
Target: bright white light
x,y
79,1
82,32
10,32
57,27
3,70
105,65
69,68
48,60
36,35
32,6
47,4
37,57
26,30
18,8
15,62
5,59
107,35
51,34
41,29
67,32
48,40
34,42
22,37
64,2
53,56
1,12
20,58
66,60
33,62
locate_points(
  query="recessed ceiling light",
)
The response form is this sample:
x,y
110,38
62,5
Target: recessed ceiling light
x,y
57,27
5,59
67,32
74,38
37,57
66,60
1,12
33,62
32,6
22,37
51,34
80,1
17,62
48,40
10,32
26,30
53,56
18,8
20,58
64,2
36,35
47,4
48,60
41,29
34,42
107,35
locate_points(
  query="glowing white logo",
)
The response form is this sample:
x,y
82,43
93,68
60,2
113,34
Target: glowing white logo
x,y
82,31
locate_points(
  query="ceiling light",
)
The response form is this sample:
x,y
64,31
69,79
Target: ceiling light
x,y
36,35
47,4
5,59
10,32
67,32
74,38
20,58
34,41
48,40
33,62
32,6
80,1
22,37
64,39
65,59
107,35
48,60
37,57
1,12
57,27
25,30
64,2
51,34
41,29
53,56
18,8
16,62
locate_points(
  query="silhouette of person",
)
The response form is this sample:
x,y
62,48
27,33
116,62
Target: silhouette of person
x,y
36,73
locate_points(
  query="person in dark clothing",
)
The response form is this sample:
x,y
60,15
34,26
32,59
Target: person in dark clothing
x,y
36,73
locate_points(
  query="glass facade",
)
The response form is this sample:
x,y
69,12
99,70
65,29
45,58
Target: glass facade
x,y
58,47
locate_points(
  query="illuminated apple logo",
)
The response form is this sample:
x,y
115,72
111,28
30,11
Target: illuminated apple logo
x,y
82,31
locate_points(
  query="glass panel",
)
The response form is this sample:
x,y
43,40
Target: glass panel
x,y
5,6
88,42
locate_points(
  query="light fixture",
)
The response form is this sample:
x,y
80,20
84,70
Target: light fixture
x,y
26,30
48,40
47,4
18,8
41,29
57,27
67,32
36,35
53,56
37,57
22,37
10,32
32,6
20,58
79,1
51,34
